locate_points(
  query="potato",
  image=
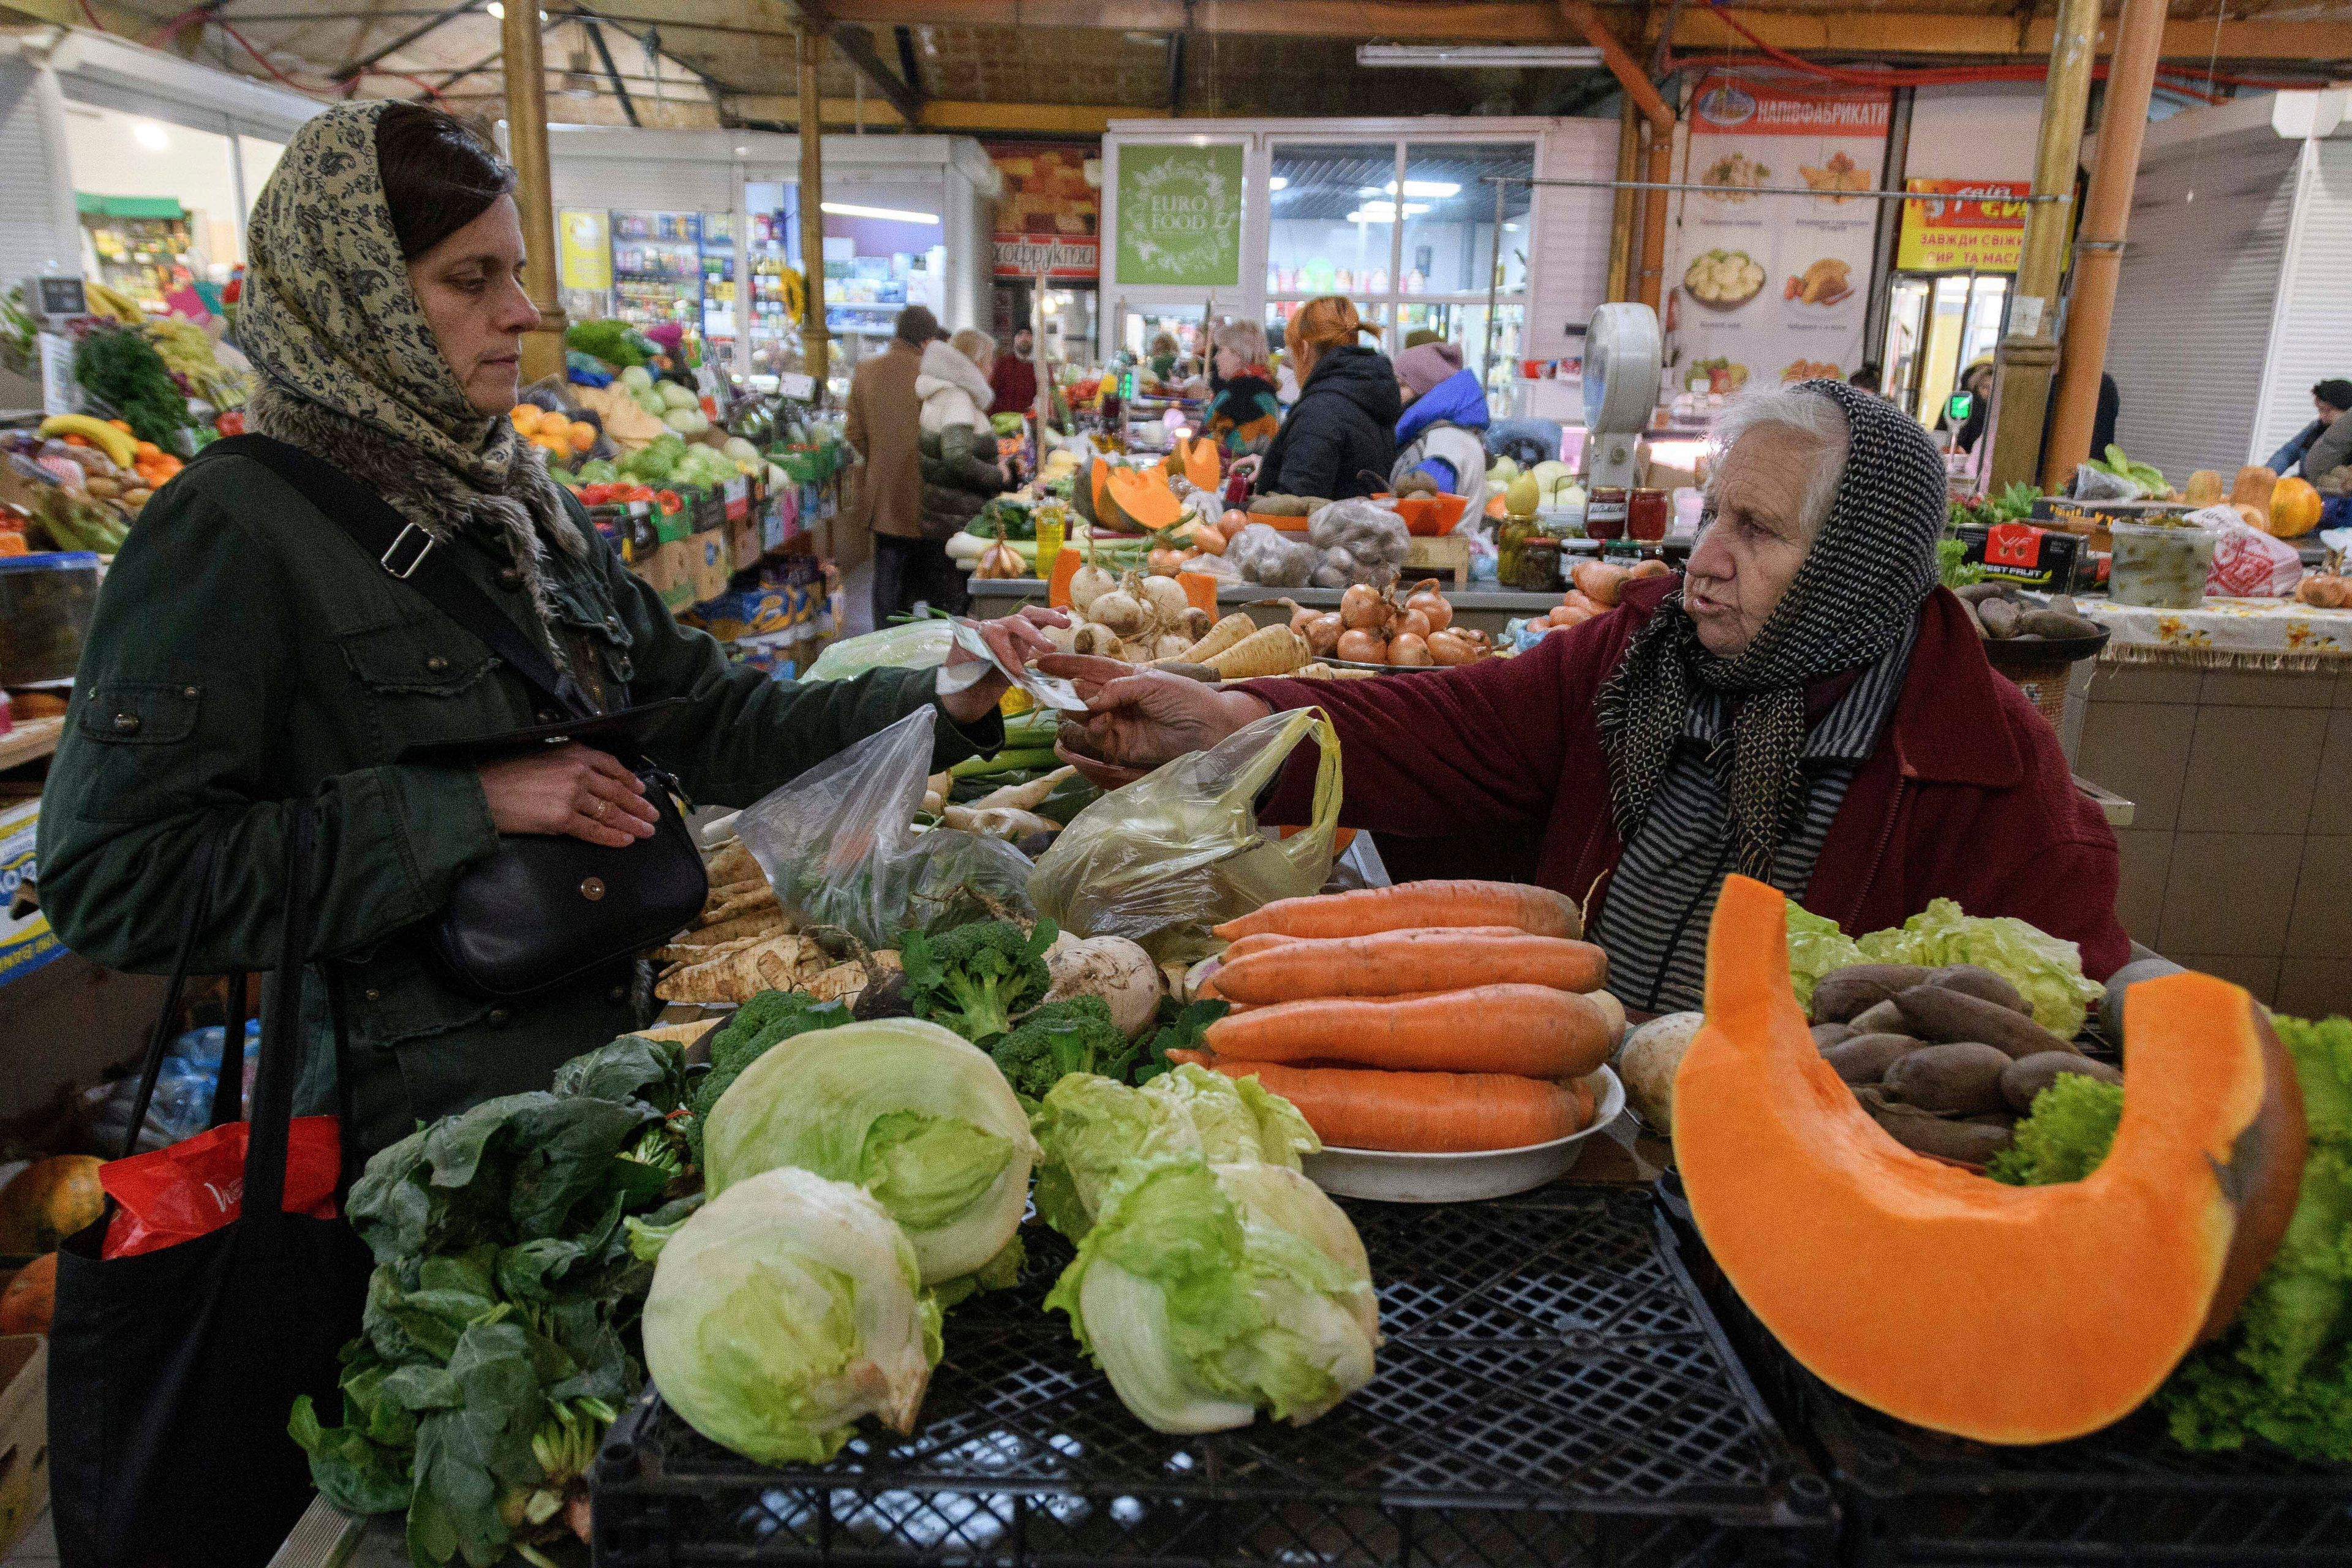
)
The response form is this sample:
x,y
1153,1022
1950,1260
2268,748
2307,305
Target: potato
x,y
1842,992
1865,1058
1934,1013
1969,979
1965,1142
1881,1019
2028,1075
1828,1035
1999,618
1958,1079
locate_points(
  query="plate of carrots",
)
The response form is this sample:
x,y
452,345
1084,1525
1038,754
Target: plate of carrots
x,y
1456,1030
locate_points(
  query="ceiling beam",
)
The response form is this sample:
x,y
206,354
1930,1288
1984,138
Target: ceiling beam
x,y
613,72
352,68
855,43
1845,33
939,114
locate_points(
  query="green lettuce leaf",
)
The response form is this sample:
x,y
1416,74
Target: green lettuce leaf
x,y
927,1170
2046,970
1816,946
1238,1120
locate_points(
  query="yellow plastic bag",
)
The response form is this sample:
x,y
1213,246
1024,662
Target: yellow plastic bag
x,y
1179,850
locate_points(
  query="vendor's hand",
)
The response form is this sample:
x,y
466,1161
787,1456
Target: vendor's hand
x,y
1016,640
1140,718
1248,465
573,789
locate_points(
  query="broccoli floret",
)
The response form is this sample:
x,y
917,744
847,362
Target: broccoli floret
x,y
1058,1040
766,1020
973,978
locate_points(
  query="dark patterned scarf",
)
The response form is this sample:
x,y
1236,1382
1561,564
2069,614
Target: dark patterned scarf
x,y
1860,584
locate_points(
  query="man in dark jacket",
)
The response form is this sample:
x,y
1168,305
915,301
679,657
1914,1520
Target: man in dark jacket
x,y
1013,381
1341,438
2331,398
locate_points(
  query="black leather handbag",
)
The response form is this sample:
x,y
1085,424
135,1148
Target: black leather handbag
x,y
544,908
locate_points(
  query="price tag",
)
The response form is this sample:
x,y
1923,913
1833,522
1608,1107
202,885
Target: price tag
x,y
797,385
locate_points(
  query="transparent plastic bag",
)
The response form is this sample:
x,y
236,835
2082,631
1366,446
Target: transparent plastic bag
x,y
917,645
1179,850
839,845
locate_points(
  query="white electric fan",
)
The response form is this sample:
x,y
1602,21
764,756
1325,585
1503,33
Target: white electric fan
x,y
1620,390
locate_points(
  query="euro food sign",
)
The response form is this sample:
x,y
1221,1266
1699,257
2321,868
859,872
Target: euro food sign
x,y
1180,217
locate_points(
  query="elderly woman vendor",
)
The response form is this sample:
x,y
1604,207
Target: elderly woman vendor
x,y
1804,706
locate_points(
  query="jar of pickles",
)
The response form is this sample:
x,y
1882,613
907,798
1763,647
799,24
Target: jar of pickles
x,y
2160,564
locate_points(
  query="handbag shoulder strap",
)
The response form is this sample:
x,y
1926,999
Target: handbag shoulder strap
x,y
200,903
408,554
269,1126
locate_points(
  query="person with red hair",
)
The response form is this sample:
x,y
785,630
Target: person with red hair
x,y
1341,438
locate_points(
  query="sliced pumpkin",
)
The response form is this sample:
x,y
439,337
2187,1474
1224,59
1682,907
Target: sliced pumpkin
x,y
1998,1313
1200,465
1099,494
1143,496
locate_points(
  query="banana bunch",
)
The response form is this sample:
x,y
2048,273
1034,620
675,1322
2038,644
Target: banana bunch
x,y
120,447
112,303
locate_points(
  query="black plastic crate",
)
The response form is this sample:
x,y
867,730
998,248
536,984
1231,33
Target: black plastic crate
x,y
2127,1495
1551,1392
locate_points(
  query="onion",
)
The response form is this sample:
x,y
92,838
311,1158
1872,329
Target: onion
x,y
1653,567
1097,641
1412,621
1323,633
1166,562
1164,601
1121,611
1171,645
1444,647
1300,615
1360,647
1360,607
1431,603
1408,648
1087,583
1197,622
1232,522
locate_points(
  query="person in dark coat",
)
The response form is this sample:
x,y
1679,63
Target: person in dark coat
x,y
1341,438
1015,379
2330,398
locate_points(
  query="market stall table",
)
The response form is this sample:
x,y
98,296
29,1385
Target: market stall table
x,y
2230,728
1484,609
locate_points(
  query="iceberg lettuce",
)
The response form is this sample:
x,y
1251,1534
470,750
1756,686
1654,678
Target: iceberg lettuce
x,y
2046,970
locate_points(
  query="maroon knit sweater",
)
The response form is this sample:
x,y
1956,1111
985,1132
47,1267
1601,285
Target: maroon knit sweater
x,y
1495,769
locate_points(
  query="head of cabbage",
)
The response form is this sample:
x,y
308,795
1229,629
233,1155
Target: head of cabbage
x,y
781,1311
1207,1293
1091,1127
913,1113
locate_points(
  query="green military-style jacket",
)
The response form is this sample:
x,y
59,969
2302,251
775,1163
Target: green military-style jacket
x,y
246,653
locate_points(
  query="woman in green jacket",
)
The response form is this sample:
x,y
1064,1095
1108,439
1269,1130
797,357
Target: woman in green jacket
x,y
248,655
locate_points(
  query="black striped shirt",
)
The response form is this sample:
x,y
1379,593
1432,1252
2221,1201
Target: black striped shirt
x,y
1653,922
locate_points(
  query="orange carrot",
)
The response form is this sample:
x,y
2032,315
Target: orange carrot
x,y
1529,1029
1538,911
1390,963
1420,1112
1258,943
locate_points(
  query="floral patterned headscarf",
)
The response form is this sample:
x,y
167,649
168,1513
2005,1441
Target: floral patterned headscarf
x,y
345,353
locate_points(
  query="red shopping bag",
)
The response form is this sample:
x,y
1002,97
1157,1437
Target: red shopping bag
x,y
196,1186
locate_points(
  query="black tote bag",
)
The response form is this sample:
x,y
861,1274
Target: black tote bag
x,y
172,1372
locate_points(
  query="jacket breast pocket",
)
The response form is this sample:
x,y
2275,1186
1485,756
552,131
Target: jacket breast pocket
x,y
587,616
147,763
424,682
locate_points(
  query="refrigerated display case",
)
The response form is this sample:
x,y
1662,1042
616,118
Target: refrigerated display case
x,y
658,267
143,244
719,321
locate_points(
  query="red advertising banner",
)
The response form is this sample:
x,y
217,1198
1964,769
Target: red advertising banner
x,y
1049,216
1974,225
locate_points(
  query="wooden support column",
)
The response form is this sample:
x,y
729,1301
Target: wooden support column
x,y
525,78
2099,244
815,337
1630,75
2020,388
1620,217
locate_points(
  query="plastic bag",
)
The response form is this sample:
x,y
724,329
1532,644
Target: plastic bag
x,y
197,1186
839,845
1361,542
183,1103
1179,850
2097,484
1271,557
917,645
2247,562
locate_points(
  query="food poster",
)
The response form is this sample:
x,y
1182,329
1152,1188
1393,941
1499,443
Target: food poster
x,y
1970,225
1774,287
1048,217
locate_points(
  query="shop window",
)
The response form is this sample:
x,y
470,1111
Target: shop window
x,y
1332,228
1448,211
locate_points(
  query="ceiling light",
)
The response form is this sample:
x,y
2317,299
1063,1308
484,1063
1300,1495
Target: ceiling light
x,y
1510,228
742,151
495,10
888,215
1385,212
1466,56
1278,183
1437,189
150,135
1150,40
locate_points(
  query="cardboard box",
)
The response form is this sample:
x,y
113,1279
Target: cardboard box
x,y
2090,519
2044,559
708,567
23,1435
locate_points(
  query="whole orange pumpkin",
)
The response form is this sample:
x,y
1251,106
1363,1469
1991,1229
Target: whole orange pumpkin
x,y
2294,509
49,1200
26,1305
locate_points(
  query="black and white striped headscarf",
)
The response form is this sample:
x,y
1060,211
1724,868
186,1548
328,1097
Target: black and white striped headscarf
x,y
1860,586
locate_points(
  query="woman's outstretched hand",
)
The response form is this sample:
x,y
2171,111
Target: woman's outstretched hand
x,y
1140,718
1016,640
575,790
